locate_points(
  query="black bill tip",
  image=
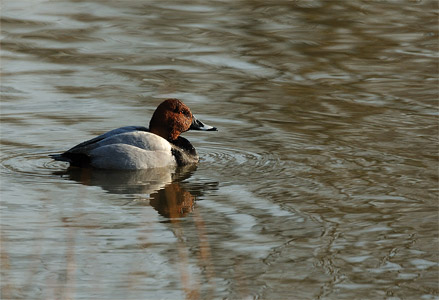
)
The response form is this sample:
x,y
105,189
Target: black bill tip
x,y
198,125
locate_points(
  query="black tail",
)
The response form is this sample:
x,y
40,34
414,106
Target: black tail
x,y
60,157
75,159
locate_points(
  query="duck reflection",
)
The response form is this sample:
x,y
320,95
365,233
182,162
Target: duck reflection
x,y
172,201
167,194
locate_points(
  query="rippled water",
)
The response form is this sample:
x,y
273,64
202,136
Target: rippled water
x,y
321,183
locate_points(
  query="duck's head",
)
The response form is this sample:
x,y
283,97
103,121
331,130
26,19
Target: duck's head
x,y
172,117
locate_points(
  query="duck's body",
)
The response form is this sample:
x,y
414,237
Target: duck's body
x,y
138,147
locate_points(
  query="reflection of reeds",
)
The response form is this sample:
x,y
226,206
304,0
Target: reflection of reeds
x,y
6,287
66,286
205,254
191,287
239,281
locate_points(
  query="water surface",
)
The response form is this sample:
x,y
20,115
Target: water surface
x,y
321,183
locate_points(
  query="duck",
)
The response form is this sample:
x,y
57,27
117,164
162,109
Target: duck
x,y
138,147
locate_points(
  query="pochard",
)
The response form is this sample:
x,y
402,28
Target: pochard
x,y
138,147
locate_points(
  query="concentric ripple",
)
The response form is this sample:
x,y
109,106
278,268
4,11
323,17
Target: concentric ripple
x,y
30,164
234,161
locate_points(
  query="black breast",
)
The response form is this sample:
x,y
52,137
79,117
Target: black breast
x,y
184,152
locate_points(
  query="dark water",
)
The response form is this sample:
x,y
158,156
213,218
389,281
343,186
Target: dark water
x,y
322,182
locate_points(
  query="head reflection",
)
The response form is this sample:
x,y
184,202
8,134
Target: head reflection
x,y
167,194
172,201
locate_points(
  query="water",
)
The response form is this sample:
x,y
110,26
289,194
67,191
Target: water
x,y
321,183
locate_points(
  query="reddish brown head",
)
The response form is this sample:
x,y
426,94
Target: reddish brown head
x,y
172,117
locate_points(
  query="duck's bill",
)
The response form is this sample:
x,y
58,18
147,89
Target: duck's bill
x,y
198,125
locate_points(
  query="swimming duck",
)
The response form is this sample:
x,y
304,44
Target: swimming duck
x,y
138,147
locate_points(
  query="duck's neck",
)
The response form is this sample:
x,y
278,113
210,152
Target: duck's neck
x,y
160,132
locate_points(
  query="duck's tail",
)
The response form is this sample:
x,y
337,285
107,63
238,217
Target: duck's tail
x,y
75,159
60,157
